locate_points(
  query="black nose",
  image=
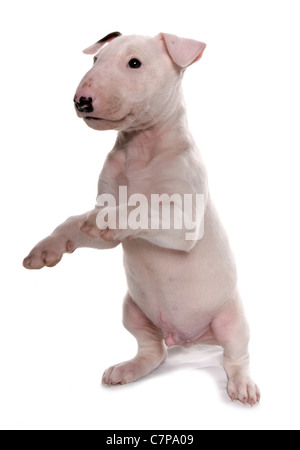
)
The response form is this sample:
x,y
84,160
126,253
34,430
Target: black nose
x,y
84,104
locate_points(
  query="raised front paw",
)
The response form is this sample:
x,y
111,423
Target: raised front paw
x,y
95,228
90,227
48,252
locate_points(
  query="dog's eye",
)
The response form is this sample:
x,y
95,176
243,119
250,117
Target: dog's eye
x,y
134,63
95,59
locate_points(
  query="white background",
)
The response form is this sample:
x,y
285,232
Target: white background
x,y
61,327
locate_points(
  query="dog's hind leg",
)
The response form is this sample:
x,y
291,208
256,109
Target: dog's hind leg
x,y
231,330
151,350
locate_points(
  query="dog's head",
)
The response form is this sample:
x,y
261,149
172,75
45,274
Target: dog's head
x,y
134,81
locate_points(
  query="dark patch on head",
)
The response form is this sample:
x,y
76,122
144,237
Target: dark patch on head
x,y
109,37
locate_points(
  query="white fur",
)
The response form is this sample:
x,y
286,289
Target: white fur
x,y
179,292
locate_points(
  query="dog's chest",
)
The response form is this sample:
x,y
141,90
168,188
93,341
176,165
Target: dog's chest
x,y
138,175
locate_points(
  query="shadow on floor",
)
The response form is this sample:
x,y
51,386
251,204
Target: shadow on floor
x,y
199,357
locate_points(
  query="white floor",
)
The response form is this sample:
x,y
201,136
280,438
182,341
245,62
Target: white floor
x,y
60,328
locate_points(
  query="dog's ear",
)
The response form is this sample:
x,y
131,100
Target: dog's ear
x,y
96,47
183,52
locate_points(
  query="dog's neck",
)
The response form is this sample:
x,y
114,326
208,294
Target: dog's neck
x,y
164,135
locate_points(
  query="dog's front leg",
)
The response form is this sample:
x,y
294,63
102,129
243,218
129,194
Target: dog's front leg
x,y
117,224
65,239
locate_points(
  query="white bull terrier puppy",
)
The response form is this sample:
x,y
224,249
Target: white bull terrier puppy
x,y
181,291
